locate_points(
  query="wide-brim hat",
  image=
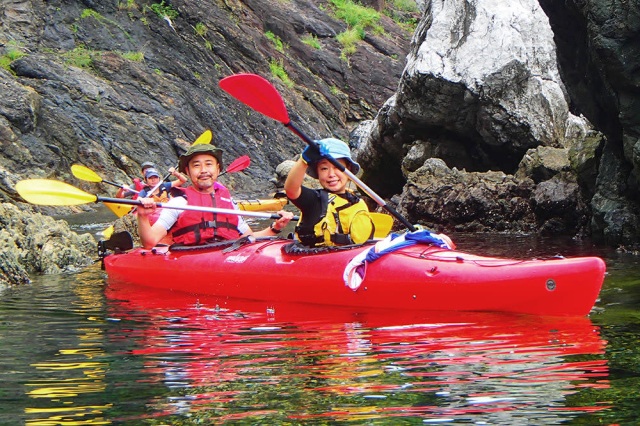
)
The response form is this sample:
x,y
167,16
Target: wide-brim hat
x,y
337,149
197,150
146,165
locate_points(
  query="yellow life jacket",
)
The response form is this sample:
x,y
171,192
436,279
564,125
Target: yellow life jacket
x,y
345,222
163,197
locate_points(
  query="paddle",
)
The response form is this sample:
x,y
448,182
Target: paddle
x,y
55,193
260,95
203,139
85,173
237,165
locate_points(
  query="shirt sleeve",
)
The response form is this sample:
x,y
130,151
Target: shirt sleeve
x,y
310,205
168,217
243,226
130,192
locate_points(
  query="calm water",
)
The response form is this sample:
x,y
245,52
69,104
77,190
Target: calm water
x,y
77,349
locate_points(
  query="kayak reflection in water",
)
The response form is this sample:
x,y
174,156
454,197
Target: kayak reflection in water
x,y
202,164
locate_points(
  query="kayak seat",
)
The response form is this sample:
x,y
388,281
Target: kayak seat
x,y
297,248
225,245
211,245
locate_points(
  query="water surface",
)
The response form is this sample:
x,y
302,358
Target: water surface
x,y
78,349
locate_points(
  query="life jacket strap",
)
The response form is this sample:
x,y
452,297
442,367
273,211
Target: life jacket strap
x,y
203,225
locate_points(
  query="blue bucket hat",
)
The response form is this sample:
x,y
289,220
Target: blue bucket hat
x,y
337,149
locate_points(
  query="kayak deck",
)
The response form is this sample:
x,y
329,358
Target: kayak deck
x,y
420,277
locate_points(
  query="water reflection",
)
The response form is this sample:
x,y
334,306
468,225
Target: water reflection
x,y
217,360
57,370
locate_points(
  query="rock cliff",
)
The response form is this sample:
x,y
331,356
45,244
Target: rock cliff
x,y
488,115
543,92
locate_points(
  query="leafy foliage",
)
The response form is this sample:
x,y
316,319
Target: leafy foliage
x,y
358,18
164,10
312,40
11,54
277,70
276,41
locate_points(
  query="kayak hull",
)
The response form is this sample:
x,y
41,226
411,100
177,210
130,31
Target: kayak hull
x,y
272,204
420,277
266,205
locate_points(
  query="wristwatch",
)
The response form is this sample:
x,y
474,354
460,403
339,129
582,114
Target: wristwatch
x,y
273,229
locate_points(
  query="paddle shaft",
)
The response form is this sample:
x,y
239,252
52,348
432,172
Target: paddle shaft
x,y
242,163
121,186
192,208
354,178
161,182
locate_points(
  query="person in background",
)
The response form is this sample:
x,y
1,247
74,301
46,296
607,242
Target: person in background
x,y
202,164
333,215
132,190
162,193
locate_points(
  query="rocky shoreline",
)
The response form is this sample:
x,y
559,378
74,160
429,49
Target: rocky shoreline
x,y
33,243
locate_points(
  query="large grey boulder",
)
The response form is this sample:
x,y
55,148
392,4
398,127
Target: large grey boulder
x,y
481,91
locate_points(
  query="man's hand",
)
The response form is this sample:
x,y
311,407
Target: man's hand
x,y
285,218
148,206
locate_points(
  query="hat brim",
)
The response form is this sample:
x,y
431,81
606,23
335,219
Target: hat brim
x,y
183,162
353,167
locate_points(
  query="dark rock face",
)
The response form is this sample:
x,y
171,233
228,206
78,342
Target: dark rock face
x,y
477,201
113,84
547,95
599,55
75,96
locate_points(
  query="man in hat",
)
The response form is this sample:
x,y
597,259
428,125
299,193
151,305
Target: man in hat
x,y
202,164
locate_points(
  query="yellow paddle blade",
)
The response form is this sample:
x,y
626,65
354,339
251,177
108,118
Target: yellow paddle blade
x,y
85,173
47,192
204,138
108,232
119,209
383,223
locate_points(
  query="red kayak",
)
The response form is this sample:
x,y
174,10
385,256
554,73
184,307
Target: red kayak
x,y
417,277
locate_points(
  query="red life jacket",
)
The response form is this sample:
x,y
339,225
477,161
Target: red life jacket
x,y
194,227
138,186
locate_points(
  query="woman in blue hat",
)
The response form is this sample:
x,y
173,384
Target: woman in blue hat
x,y
333,215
